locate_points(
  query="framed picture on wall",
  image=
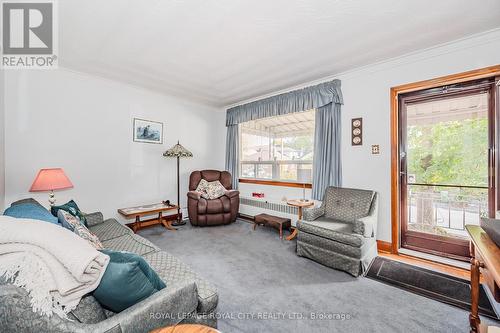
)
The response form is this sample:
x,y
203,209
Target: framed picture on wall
x,y
148,131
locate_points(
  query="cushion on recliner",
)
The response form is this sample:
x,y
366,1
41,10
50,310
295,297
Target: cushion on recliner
x,y
214,206
346,204
332,229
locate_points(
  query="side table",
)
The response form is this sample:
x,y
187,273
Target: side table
x,y
145,210
300,204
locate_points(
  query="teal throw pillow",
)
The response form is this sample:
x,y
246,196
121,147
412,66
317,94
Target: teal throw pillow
x,y
33,211
128,279
72,208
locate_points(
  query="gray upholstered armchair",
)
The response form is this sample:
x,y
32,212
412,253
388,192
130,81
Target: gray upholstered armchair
x,y
341,233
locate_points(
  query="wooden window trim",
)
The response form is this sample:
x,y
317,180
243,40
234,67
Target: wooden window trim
x,y
274,183
487,72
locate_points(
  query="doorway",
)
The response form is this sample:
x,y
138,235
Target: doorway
x,y
446,164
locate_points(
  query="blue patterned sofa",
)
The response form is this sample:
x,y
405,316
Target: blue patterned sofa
x,y
187,297
341,233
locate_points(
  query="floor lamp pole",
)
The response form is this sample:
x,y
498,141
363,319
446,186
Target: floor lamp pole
x,y
178,151
178,192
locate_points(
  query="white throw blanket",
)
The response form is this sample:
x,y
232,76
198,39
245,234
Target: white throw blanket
x,y
54,265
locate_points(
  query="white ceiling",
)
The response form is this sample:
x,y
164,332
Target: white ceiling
x,y
223,51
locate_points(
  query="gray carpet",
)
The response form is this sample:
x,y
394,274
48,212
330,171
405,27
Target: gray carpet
x,y
259,275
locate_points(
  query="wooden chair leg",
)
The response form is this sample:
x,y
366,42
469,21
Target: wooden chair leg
x,y
281,231
254,225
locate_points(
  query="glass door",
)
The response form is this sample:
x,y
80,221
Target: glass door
x,y
447,165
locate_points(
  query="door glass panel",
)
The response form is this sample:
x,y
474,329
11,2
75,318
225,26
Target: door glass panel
x,y
447,164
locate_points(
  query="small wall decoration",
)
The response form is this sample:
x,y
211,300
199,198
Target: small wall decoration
x,y
357,131
148,131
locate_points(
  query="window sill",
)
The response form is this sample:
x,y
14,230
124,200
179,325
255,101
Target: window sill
x,y
274,183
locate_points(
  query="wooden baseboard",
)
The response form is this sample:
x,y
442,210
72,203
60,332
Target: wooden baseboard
x,y
384,246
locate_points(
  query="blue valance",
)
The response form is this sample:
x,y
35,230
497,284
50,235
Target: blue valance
x,y
295,101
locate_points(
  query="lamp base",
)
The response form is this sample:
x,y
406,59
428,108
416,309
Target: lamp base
x,y
178,223
52,198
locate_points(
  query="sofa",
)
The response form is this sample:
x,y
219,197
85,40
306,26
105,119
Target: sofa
x,y
187,298
341,233
204,212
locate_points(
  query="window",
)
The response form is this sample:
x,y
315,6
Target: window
x,y
278,148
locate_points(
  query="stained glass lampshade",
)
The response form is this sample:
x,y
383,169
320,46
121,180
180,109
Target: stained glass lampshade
x,y
178,151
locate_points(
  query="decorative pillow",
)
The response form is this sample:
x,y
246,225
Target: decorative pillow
x,y
128,279
202,187
74,224
72,208
33,211
214,190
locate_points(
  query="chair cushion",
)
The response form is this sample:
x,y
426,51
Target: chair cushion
x,y
347,204
130,243
332,229
335,246
221,205
172,271
109,229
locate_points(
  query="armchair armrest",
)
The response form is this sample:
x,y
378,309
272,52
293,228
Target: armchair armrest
x,y
311,214
94,218
194,195
232,193
367,226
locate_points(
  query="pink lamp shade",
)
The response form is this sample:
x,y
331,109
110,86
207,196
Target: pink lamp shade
x,y
50,179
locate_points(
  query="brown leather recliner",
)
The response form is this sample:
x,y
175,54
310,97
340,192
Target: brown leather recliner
x,y
204,212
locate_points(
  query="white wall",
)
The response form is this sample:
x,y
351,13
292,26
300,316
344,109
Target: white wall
x,y
366,94
82,123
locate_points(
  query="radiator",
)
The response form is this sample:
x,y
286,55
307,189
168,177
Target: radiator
x,y
252,206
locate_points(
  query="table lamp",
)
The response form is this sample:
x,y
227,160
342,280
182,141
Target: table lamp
x,y
50,180
178,151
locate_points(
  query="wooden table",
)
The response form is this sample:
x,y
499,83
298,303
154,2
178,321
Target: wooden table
x,y
300,205
146,210
186,328
486,260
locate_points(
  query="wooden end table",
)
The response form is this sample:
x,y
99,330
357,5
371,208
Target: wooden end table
x,y
486,260
300,205
145,210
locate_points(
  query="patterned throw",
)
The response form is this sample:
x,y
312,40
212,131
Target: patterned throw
x,y
211,190
74,224
55,266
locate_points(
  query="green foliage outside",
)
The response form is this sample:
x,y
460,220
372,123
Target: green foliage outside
x,y
453,153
